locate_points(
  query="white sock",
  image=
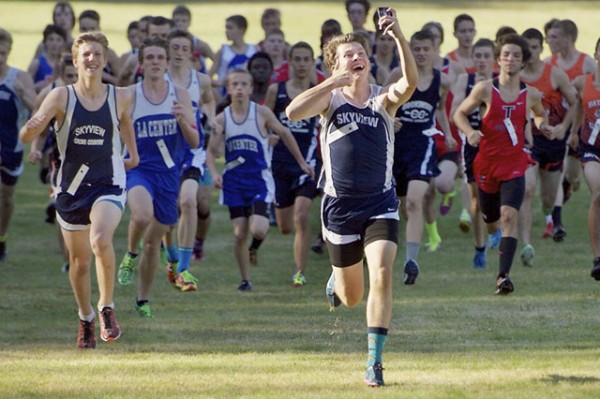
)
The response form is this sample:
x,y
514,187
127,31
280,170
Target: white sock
x,y
548,218
87,318
110,305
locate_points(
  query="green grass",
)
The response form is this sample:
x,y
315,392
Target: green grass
x,y
450,336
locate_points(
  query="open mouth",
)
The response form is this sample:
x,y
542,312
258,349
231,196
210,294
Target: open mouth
x,y
358,68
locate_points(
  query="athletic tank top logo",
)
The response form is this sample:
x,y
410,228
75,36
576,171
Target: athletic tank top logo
x,y
345,118
242,144
89,130
508,109
155,128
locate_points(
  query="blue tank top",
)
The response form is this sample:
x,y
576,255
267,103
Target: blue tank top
x,y
246,147
158,136
13,113
357,146
418,113
304,131
89,143
44,69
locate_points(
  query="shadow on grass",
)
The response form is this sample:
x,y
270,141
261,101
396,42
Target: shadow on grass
x,y
572,379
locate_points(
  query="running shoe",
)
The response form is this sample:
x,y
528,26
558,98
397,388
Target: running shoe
x,y
464,221
253,256
549,229
144,310
504,286
318,245
559,233
109,326
433,244
198,251
332,298
172,272
86,337
298,279
446,204
126,269
479,260
596,269
527,255
494,239
185,281
411,271
245,286
374,376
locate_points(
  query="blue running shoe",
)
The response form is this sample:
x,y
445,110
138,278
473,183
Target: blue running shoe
x,y
332,298
494,239
245,286
374,376
479,261
411,271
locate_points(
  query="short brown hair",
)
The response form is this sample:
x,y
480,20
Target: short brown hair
x,y
89,37
153,42
330,50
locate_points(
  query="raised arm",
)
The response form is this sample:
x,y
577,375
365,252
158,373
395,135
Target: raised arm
x,y
401,90
315,100
52,106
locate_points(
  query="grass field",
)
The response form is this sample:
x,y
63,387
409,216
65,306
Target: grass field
x,y
450,336
301,20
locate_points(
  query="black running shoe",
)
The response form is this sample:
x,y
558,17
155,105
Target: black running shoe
x,y
245,286
558,233
596,269
318,246
411,271
374,376
504,286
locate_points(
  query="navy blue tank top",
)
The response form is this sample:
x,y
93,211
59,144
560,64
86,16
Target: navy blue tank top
x,y
304,131
418,113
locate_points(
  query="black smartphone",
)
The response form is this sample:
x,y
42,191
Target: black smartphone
x,y
383,11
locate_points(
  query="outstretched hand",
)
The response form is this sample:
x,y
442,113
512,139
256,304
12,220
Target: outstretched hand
x,y
389,24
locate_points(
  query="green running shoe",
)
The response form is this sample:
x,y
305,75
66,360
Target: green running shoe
x,y
126,269
185,281
298,280
144,310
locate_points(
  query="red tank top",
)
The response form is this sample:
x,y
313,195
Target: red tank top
x,y
452,55
590,101
575,70
503,126
551,98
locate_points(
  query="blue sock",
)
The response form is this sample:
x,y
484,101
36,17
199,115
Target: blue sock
x,y
172,254
376,340
185,255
